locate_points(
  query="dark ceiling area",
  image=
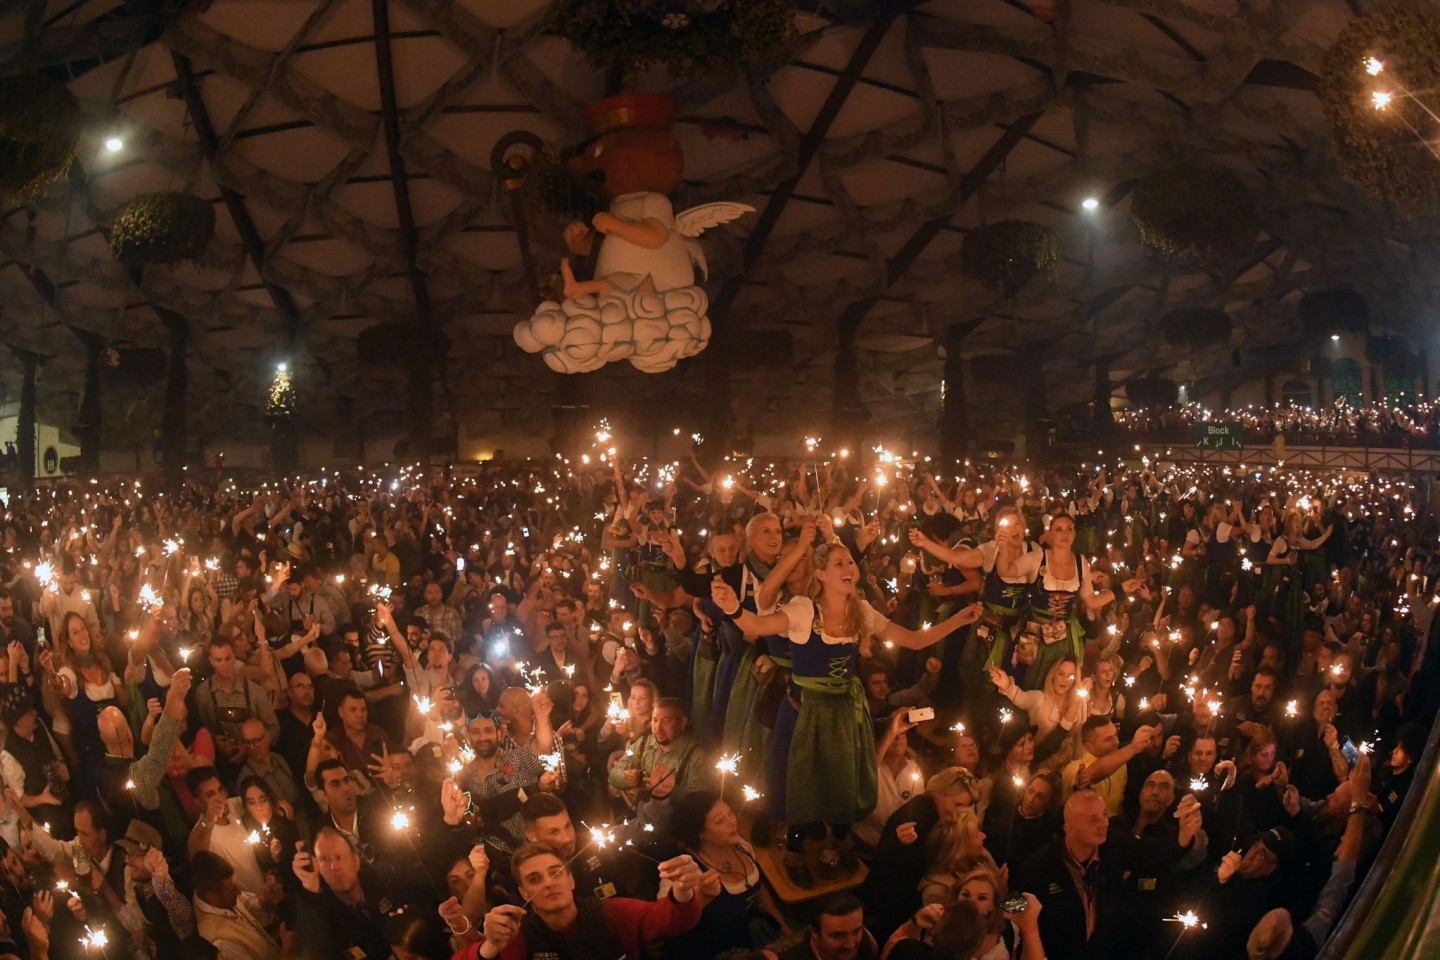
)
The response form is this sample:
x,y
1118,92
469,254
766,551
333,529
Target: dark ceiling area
x,y
345,147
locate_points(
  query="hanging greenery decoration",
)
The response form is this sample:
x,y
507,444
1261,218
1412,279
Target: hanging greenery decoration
x,y
39,128
1152,392
689,38
1192,212
1383,150
1009,254
403,345
1196,327
1327,312
280,400
162,228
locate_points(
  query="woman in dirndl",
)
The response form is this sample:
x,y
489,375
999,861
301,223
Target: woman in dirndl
x,y
1059,583
988,642
831,777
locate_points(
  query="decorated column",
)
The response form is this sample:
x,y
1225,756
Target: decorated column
x,y
25,427
280,415
954,424
88,425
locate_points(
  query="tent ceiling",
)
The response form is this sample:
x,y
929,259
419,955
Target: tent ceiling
x,y
966,111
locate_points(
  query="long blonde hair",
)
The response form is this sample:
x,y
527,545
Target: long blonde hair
x,y
949,846
855,623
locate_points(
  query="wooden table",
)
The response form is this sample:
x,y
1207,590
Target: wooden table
x,y
772,867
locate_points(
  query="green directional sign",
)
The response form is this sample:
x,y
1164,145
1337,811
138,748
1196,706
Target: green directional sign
x,y
1220,436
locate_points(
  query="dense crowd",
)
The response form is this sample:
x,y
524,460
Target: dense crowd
x,y
1407,424
810,710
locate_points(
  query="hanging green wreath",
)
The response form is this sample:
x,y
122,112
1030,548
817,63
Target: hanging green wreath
x,y
1327,312
1196,327
1192,212
1009,254
689,38
162,228
1380,149
39,128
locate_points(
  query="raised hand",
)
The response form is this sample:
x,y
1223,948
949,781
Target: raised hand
x,y
501,925
304,867
683,874
453,801
724,596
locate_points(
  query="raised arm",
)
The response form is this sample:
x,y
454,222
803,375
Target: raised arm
x,y
751,624
774,584
929,636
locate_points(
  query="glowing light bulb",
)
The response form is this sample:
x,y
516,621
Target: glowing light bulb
x,y
1090,203
114,144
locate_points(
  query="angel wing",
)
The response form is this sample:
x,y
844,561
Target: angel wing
x,y
697,220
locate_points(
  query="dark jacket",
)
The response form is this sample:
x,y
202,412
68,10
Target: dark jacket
x,y
1063,918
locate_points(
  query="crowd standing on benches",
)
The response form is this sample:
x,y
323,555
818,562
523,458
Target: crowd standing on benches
x,y
811,710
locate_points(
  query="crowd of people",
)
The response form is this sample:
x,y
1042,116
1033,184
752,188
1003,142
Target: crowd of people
x,y
839,710
1407,424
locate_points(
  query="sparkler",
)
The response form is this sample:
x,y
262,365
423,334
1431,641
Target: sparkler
x,y
1198,784
750,794
95,939
1006,715
149,599
728,763
1291,709
172,547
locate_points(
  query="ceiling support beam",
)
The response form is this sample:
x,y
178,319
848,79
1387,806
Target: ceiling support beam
x,y
234,202
717,357
421,405
24,477
970,184
173,424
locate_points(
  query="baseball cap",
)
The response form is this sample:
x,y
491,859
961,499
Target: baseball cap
x,y
1280,842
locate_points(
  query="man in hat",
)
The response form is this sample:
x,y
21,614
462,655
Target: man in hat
x,y
151,897
1277,936
1250,885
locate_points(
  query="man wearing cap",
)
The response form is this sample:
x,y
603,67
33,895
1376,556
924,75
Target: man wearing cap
x,y
1277,936
1249,886
151,897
